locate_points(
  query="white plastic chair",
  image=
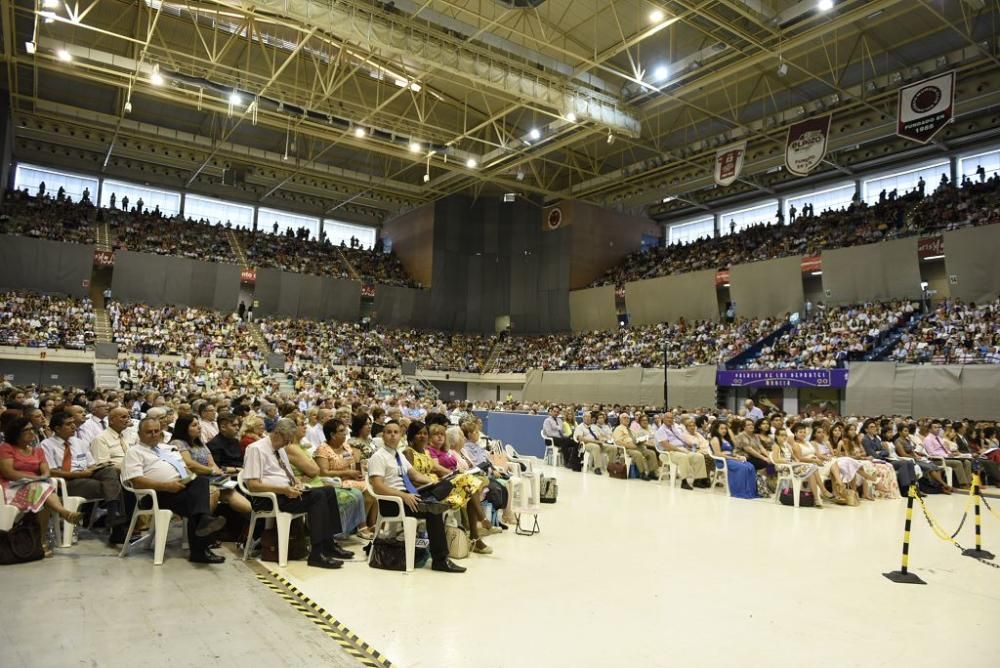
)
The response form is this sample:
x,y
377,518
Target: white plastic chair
x,y
623,452
160,527
668,468
64,530
719,475
786,471
948,472
528,461
8,515
282,521
399,517
552,455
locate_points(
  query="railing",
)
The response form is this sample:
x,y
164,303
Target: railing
x,y
753,351
347,263
887,340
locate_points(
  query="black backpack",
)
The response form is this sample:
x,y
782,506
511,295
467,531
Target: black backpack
x,y
22,542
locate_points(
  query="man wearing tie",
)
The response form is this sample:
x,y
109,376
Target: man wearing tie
x,y
266,469
96,423
152,465
391,474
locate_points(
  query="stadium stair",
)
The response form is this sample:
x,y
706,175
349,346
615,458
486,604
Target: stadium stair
x,y
102,324
886,343
753,351
106,374
102,236
234,243
491,359
350,267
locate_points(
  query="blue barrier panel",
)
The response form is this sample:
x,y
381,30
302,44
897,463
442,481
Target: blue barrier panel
x,y
519,429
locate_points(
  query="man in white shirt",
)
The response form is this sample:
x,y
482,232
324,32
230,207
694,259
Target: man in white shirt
x,y
552,428
314,434
96,423
69,458
589,437
266,469
390,474
753,412
690,464
111,444
206,418
150,465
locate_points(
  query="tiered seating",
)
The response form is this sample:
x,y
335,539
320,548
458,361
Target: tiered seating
x,y
836,335
377,267
43,321
153,233
955,333
184,331
239,376
46,218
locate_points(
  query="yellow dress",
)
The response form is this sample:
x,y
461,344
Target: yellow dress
x,y
464,485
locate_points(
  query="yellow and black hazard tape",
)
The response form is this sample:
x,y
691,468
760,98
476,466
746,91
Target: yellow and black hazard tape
x,y
347,639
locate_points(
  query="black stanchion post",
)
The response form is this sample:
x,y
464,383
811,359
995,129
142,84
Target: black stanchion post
x,y
903,575
978,552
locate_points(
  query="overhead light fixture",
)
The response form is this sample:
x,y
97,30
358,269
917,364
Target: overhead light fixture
x,y
933,257
360,132
29,47
156,78
471,163
427,178
661,72
234,98
535,134
128,106
782,69
415,87
520,175
51,4
48,16
571,117
415,147
816,273
611,137
825,5
64,55
656,16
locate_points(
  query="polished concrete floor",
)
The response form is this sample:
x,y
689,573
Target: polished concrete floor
x,y
624,573
632,573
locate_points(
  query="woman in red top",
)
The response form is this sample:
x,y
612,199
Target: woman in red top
x,y
24,475
251,432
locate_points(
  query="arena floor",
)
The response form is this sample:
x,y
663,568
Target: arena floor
x,y
637,574
623,573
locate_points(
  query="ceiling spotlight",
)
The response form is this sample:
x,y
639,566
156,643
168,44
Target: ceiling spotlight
x,y
415,147
656,16
661,72
471,163
360,132
427,178
51,4
520,175
64,55
825,5
234,98
29,47
128,106
571,117
611,137
535,134
156,78
782,69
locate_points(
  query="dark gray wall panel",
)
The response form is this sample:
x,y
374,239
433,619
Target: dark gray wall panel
x,y
692,296
310,297
227,287
971,258
66,374
341,299
767,289
177,284
267,291
45,266
873,272
139,277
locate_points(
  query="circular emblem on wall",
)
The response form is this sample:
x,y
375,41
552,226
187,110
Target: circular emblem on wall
x,y
555,218
926,99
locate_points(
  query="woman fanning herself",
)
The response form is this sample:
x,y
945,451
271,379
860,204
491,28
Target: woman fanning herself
x,y
742,474
781,453
465,487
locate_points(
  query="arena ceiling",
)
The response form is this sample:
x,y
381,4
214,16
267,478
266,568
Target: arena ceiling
x,y
360,109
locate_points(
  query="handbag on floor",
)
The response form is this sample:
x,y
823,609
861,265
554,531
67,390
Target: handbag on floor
x,y
762,489
22,542
806,498
459,544
549,490
617,470
298,545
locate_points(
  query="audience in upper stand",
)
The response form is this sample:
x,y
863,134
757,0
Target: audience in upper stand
x,y
152,232
890,218
46,217
179,330
836,335
45,321
954,333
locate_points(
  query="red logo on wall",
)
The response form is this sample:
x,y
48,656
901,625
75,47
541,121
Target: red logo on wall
x,y
555,218
248,276
104,258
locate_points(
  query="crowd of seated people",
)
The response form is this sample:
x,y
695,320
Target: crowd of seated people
x,y
190,374
807,233
180,330
954,333
329,342
47,215
45,321
835,335
151,232
375,266
688,344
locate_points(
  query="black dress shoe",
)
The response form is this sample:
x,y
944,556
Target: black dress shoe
x,y
323,561
337,552
597,471
208,557
447,566
686,485
208,525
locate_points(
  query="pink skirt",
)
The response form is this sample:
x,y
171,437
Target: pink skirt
x,y
28,498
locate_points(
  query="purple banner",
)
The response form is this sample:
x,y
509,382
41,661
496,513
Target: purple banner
x,y
835,378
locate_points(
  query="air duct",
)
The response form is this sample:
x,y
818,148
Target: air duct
x,y
386,33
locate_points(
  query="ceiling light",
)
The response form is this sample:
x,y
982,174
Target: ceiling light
x,y
661,73
156,78
29,47
360,132
234,98
415,147
535,134
64,55
782,69
427,178
415,87
471,163
571,117
816,273
656,16
50,4
825,5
